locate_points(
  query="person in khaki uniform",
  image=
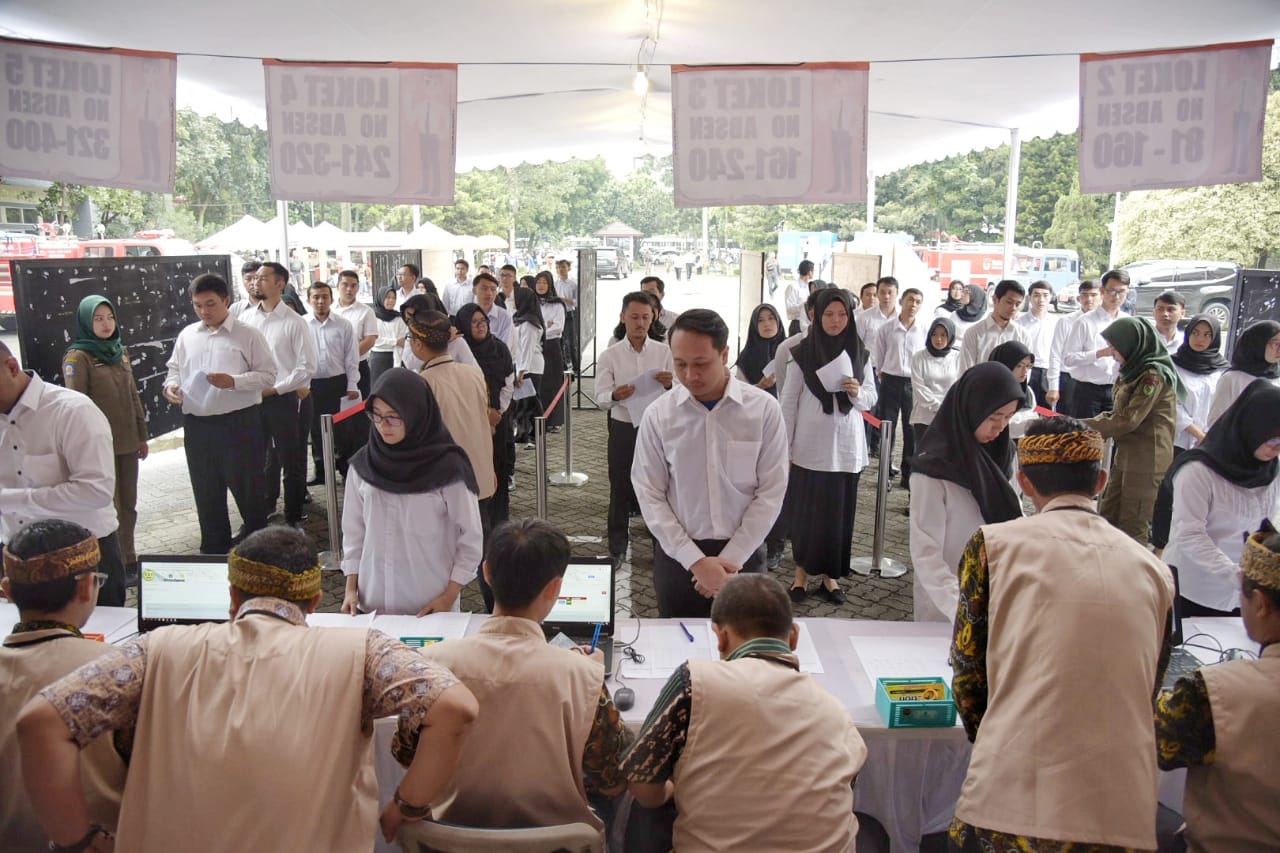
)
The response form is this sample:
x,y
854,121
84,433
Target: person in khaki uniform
x,y
97,365
50,573
1223,723
1142,422
1062,635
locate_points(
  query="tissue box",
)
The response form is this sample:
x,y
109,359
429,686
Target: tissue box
x,y
902,704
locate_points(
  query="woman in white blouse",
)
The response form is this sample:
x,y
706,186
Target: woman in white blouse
x,y
386,352
553,314
1221,491
933,370
1256,356
960,481
411,530
530,362
828,444
1200,364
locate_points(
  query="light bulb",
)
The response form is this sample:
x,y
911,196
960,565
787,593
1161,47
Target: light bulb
x,y
640,83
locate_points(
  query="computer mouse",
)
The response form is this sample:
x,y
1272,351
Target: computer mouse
x,y
624,698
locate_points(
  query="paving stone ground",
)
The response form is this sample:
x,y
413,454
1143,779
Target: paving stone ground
x,y
167,525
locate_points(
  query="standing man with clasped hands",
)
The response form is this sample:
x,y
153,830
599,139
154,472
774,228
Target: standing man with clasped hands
x,y
710,470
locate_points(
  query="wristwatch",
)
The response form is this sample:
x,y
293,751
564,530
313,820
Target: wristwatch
x,y
95,829
408,810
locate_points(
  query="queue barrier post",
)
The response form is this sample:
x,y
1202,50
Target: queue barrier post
x,y
567,477
886,566
330,560
540,464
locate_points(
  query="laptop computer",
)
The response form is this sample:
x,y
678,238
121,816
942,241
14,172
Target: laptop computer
x,y
586,600
182,590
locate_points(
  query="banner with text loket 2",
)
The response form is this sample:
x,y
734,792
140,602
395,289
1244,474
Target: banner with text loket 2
x,y
769,134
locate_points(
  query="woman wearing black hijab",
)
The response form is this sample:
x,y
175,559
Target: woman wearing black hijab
x,y
499,371
1200,365
828,444
957,298
971,312
755,359
552,309
960,481
1220,491
1256,356
392,329
411,531
1016,356
530,362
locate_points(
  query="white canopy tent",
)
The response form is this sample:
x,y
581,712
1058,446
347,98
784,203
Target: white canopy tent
x,y
247,232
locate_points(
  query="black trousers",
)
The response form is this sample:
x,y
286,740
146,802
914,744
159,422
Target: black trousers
x,y
226,452
379,363
918,431
1066,393
895,405
622,495
487,524
504,465
366,379
572,341
1090,399
280,422
673,583
112,563
326,398
1040,386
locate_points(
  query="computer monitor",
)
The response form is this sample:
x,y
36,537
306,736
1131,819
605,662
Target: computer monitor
x,y
182,590
586,599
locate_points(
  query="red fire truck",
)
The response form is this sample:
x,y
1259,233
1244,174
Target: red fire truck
x,y
22,247
971,263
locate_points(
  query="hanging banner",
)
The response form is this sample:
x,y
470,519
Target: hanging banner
x,y
82,116
769,134
380,133
1172,118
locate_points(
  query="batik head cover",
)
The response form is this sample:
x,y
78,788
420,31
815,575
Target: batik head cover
x,y
65,562
1064,448
265,579
1259,563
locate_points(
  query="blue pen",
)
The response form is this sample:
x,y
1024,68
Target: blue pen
x,y
595,638
686,632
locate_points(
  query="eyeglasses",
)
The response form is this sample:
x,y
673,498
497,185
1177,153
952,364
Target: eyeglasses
x,y
389,420
99,579
1113,292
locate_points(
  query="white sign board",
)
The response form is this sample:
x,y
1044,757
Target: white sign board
x,y
770,135
382,133
1177,118
97,117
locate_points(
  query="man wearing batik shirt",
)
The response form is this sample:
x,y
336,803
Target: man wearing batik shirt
x,y
1223,723
51,572
228,752
1061,639
750,716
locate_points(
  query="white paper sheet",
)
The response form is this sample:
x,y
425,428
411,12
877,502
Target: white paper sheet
x,y
665,646
198,389
648,389
903,657
340,620
806,651
836,371
446,626
346,403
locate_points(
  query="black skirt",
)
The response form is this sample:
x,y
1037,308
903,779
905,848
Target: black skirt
x,y
821,504
552,379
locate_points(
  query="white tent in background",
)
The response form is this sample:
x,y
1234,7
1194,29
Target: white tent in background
x,y
247,232
489,241
376,238
328,236
431,237
299,232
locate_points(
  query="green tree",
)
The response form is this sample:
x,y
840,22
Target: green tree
x,y
1081,222
1045,177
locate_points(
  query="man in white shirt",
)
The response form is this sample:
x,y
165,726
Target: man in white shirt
x,y
567,290
337,373
507,286
895,344
1061,393
654,286
222,429
797,292
710,470
249,275
1168,311
1040,325
361,318
866,298
294,350
485,292
458,292
58,463
1088,357
407,278
616,368
997,327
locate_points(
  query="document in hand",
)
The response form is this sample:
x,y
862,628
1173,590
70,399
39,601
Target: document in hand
x,y
347,403
648,389
835,371
198,390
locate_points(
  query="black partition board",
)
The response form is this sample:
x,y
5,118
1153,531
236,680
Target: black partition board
x,y
384,264
152,305
1256,298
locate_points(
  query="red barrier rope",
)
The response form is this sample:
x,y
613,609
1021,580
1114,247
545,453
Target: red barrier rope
x,y
1047,413
349,411
872,419
555,402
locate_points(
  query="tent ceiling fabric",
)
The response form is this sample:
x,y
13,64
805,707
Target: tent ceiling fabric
x,y
519,102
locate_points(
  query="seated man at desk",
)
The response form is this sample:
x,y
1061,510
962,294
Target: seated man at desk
x,y
764,758
51,574
1223,723
548,734
1061,639
253,734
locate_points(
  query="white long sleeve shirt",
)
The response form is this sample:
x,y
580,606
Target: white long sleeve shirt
x,y
406,548
1211,517
292,344
1195,408
567,289
58,461
869,323
930,379
361,318
783,357
553,315
528,350
944,516
619,364
501,324
457,348
1053,376
711,474
1040,330
825,442
456,294
797,293
337,351
1080,353
234,348
895,345
1232,383
985,335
